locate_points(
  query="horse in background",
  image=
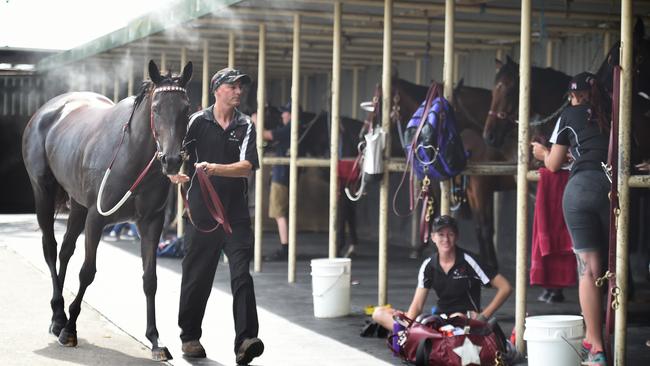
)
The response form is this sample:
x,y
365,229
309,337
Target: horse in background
x,y
640,88
67,148
471,106
314,130
548,90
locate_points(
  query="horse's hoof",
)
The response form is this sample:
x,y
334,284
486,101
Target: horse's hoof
x,y
55,329
161,354
67,338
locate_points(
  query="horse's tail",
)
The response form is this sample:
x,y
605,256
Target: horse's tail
x,y
60,200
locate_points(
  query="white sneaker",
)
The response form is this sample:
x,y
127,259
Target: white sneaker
x,y
112,236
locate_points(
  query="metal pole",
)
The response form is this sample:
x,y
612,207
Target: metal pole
x,y
129,71
116,89
205,87
102,86
607,42
355,93
500,54
180,223
231,49
293,167
549,53
415,224
5,99
183,58
382,295
163,63
305,86
145,68
334,140
13,97
456,66
448,78
418,71
259,174
283,90
625,118
522,168
21,97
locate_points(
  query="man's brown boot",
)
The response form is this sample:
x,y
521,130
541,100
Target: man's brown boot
x,y
193,349
249,349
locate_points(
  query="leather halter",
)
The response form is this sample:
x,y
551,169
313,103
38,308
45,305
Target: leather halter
x,y
157,154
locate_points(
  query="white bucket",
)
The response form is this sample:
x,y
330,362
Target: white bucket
x,y
554,339
330,279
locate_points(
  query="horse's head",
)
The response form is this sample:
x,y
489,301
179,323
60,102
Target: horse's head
x,y
170,107
502,114
640,63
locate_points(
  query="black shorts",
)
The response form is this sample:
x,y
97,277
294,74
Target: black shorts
x,y
586,210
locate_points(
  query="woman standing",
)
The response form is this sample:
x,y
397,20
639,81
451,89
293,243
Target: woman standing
x,y
583,132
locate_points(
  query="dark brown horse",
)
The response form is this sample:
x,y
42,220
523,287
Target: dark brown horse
x,y
471,106
547,97
67,148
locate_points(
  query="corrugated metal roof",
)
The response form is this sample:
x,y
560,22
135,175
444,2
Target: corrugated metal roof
x,y
418,30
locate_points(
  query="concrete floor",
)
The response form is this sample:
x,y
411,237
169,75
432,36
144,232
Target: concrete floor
x,y
293,336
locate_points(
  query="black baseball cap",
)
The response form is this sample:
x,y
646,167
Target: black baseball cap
x,y
444,221
287,108
228,76
582,81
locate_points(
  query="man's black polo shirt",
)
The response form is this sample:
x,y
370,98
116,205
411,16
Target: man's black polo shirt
x,y
453,288
207,141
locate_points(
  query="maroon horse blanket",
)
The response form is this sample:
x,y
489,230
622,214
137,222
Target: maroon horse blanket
x,y
553,263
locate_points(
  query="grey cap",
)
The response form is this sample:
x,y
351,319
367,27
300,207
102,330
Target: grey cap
x,y
228,76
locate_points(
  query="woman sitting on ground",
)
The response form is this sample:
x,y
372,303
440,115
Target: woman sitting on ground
x,y
456,275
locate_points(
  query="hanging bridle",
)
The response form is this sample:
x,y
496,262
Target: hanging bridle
x,y
157,153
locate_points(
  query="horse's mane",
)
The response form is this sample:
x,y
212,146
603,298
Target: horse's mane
x,y
148,85
551,79
419,92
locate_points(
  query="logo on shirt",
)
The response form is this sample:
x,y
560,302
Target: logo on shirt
x,y
234,136
459,273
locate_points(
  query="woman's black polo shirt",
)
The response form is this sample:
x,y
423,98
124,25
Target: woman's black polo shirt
x,y
587,143
207,141
453,288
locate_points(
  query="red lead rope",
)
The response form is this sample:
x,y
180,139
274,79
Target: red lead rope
x,y
212,203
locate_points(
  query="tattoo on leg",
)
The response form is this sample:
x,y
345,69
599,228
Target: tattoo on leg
x,y
582,266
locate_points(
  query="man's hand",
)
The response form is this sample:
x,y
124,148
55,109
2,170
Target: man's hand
x,y
178,178
205,166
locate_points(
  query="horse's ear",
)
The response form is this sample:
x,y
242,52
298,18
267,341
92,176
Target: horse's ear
x,y
460,83
639,30
154,73
187,75
509,60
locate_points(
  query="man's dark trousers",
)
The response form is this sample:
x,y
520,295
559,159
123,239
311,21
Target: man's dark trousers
x,y
199,267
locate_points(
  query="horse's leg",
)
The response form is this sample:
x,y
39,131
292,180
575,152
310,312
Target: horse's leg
x,y
150,229
76,221
479,196
93,227
45,203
